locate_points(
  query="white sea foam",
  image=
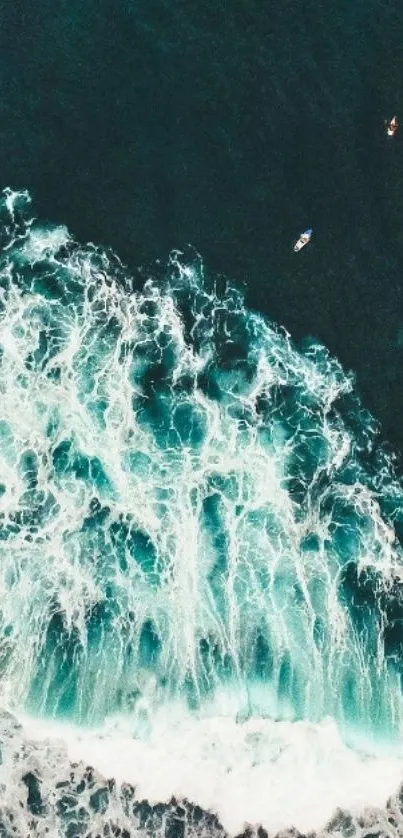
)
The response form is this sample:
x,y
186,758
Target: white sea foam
x,y
198,508
278,774
186,504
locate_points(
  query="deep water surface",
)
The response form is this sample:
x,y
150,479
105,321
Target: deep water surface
x,y
232,126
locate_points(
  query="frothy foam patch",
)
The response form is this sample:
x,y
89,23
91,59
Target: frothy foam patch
x,y
278,774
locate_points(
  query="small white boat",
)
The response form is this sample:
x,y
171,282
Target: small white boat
x,y
392,126
303,240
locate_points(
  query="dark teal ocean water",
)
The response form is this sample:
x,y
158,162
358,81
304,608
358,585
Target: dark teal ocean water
x,y
232,126
201,500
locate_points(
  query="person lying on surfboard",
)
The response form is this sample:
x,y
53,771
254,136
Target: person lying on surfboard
x,y
392,126
303,240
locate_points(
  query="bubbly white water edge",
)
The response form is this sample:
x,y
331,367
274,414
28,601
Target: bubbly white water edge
x,y
278,774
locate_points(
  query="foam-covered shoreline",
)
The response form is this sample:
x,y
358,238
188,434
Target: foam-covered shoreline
x,y
224,769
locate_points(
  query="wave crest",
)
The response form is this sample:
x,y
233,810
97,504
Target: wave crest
x,y
190,507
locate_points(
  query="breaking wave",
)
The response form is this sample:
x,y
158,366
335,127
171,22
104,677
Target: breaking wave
x,y
195,517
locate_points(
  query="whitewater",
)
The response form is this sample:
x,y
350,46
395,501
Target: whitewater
x,y
201,605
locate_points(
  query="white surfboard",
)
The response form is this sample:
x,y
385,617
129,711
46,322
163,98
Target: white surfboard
x,y
303,240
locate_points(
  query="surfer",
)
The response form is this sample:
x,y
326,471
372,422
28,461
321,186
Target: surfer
x,y
392,126
303,240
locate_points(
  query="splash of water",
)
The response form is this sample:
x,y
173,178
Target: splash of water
x,y
190,508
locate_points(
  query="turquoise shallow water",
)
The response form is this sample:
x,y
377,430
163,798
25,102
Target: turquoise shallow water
x,y
187,502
